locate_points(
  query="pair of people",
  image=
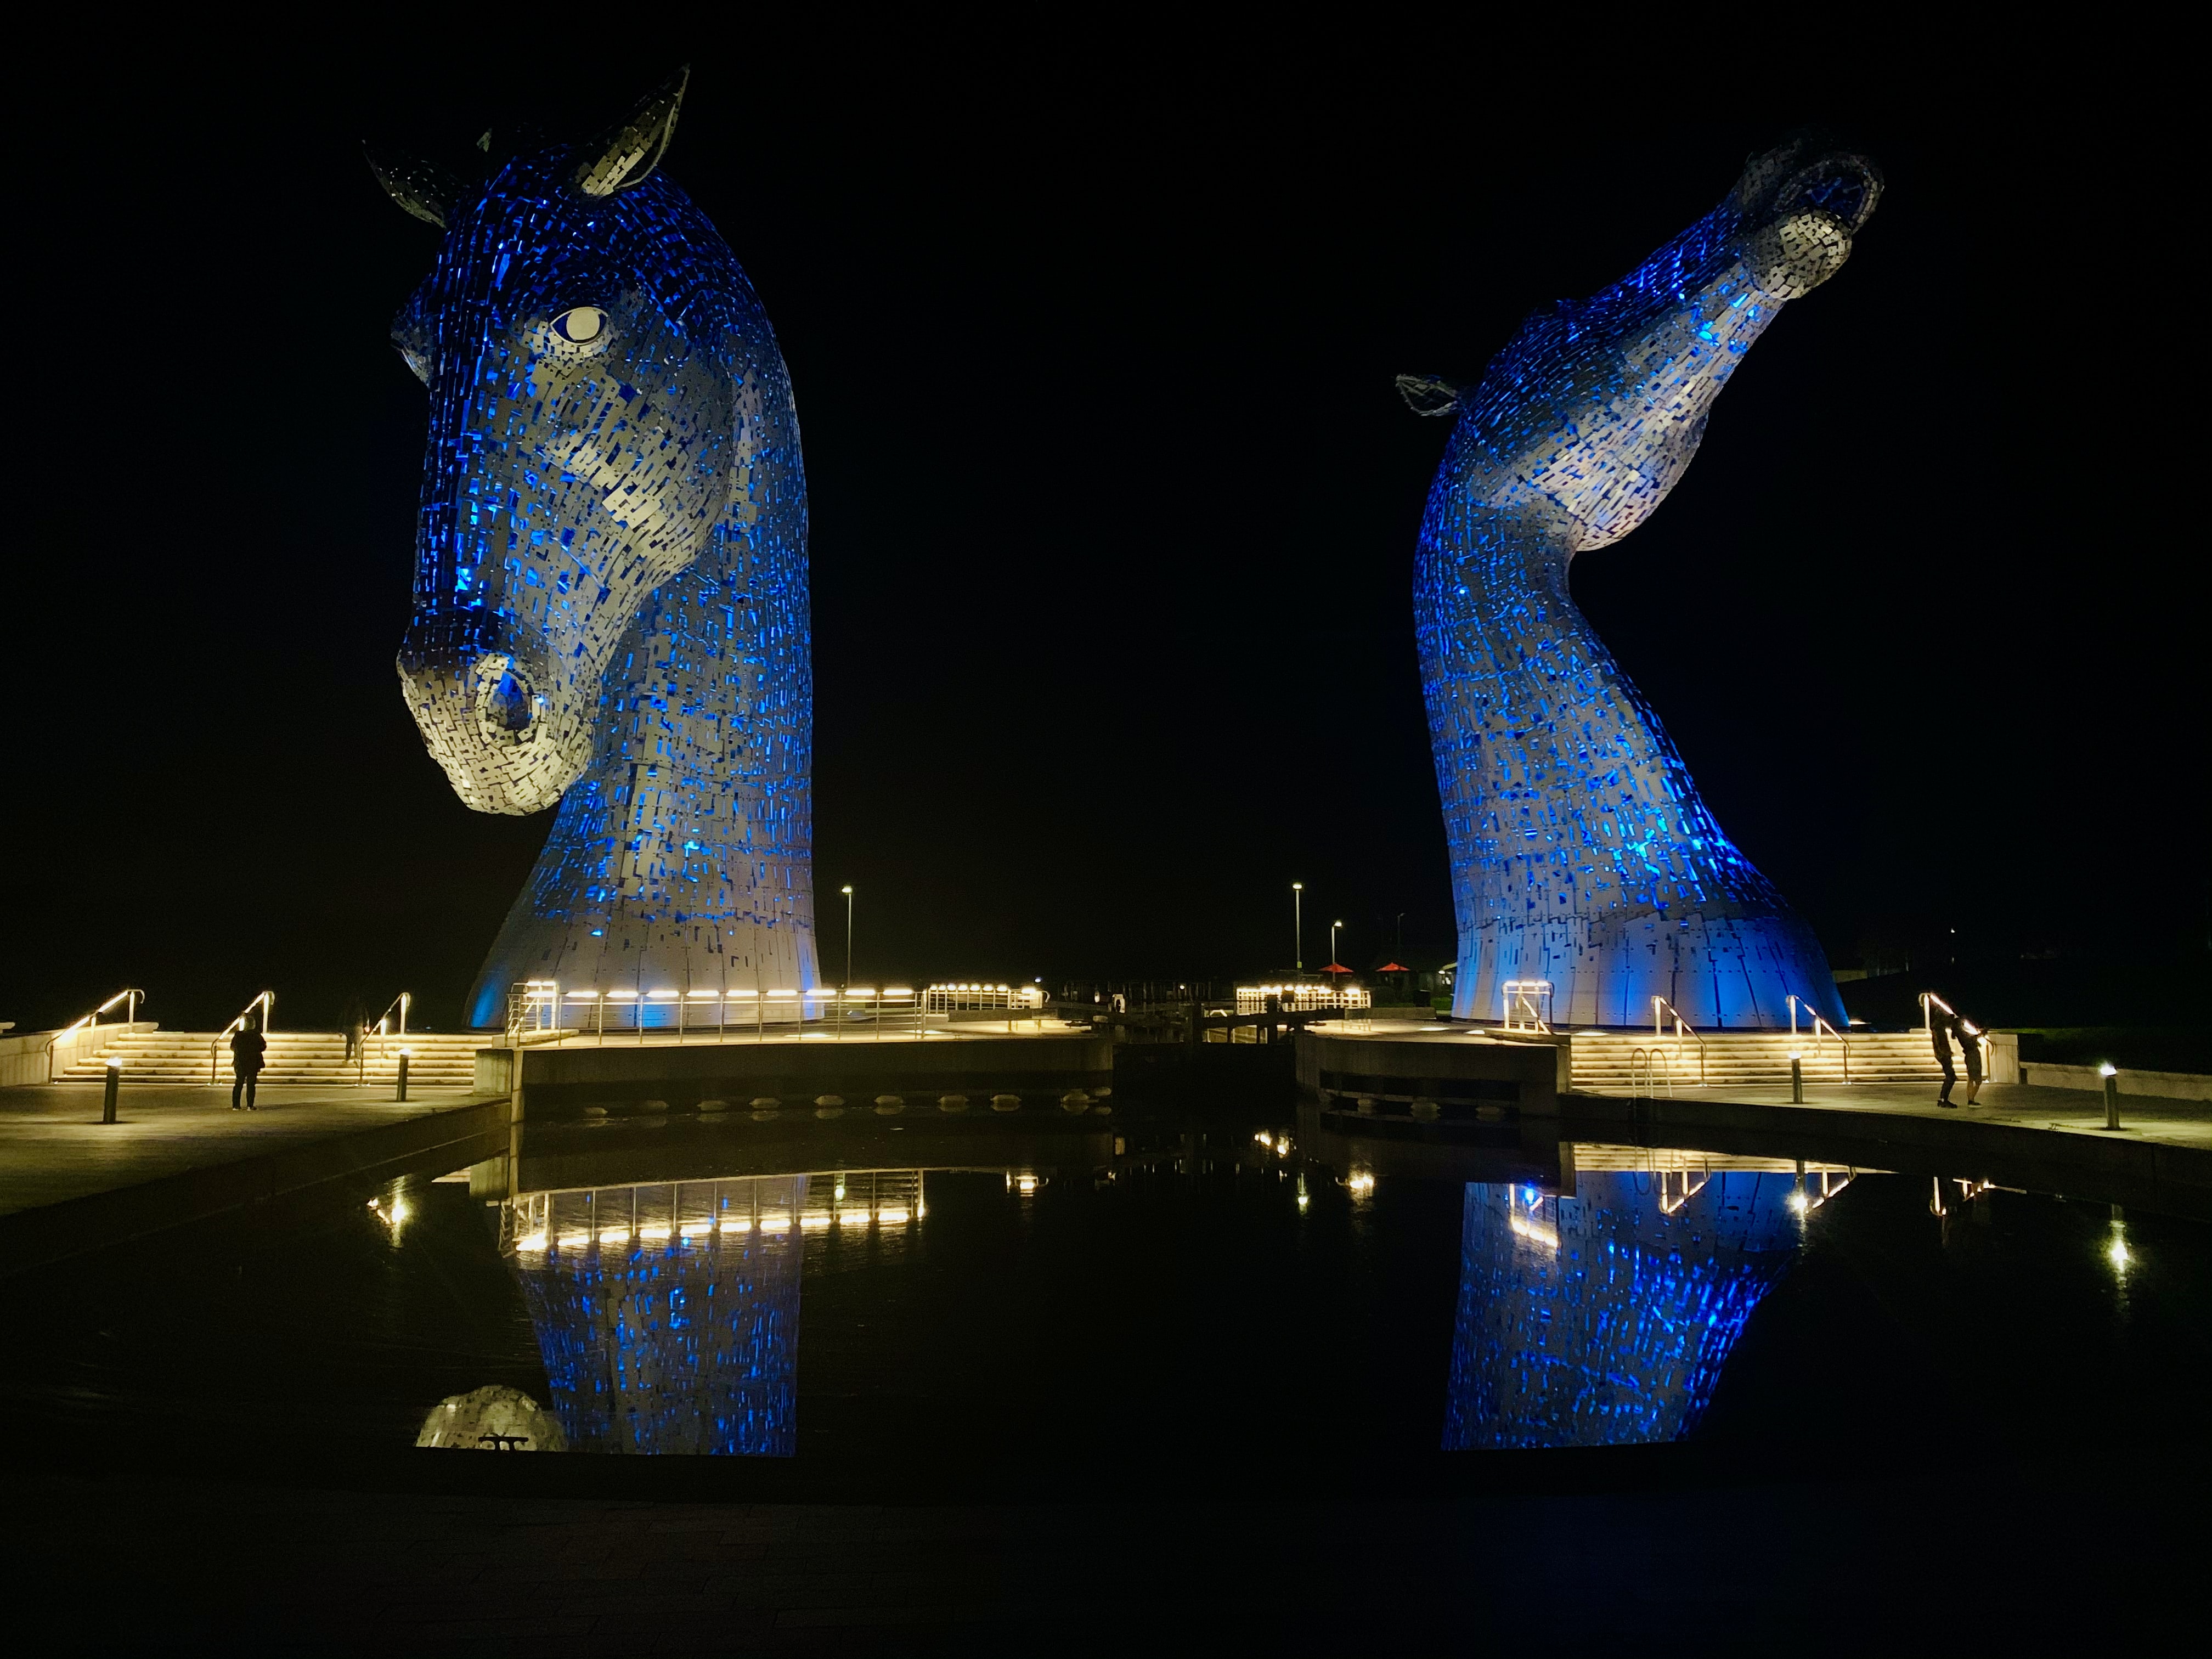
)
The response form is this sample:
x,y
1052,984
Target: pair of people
x,y
1943,1026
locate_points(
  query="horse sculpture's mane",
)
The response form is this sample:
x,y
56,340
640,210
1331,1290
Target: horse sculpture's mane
x,y
610,569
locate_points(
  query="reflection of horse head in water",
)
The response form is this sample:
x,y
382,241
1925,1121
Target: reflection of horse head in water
x,y
611,569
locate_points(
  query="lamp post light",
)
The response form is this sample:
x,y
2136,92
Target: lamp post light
x,y
847,891
1299,924
2111,1073
1332,927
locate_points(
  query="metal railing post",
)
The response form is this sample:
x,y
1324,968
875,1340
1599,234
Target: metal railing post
x,y
114,1078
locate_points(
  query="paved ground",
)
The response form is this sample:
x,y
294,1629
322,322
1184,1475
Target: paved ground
x,y
53,1145
2142,1117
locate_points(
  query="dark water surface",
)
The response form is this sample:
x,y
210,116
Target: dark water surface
x,y
1165,1297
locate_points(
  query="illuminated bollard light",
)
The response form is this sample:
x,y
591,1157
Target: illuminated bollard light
x,y
114,1080
402,1072
1796,1080
2111,1073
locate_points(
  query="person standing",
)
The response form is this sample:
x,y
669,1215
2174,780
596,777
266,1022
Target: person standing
x,y
248,1048
1970,1049
1939,1029
356,1027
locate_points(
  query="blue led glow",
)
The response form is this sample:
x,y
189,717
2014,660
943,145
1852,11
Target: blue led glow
x,y
1603,1320
610,594
1581,854
674,1345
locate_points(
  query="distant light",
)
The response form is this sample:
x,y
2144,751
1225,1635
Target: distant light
x,y
1797,1202
2119,1253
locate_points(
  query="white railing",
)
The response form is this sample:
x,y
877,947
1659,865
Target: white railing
x,y
1662,1010
1294,999
1527,1004
542,1007
266,1002
92,1019
1822,1031
1019,999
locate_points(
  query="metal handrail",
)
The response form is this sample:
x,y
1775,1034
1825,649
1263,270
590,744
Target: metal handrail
x,y
1821,1025
92,1018
1682,1028
266,1002
402,1002
1521,995
1928,1024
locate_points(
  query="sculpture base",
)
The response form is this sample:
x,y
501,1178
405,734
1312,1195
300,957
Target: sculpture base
x,y
1720,972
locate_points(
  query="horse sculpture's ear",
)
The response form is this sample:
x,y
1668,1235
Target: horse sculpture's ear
x,y
627,155
1426,395
423,188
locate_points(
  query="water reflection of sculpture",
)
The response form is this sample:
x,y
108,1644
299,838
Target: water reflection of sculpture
x,y
676,1329
1604,1319
1581,854
611,603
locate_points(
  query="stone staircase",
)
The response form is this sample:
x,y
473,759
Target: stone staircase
x,y
437,1059
1607,1062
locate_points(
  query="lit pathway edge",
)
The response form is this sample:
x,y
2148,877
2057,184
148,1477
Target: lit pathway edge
x,y
363,1158
2160,1164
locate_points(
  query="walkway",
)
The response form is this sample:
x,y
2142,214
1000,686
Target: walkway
x,y
2143,1118
53,1146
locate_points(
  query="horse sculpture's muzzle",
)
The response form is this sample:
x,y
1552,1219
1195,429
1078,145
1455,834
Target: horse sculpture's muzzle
x,y
490,717
1813,207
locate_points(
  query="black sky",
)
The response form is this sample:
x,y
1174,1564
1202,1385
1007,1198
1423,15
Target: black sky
x,y
1113,508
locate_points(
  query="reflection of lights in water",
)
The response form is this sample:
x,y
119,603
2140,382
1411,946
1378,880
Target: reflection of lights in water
x,y
815,1219
534,1241
575,1241
1361,1183
1797,1202
774,1221
890,1218
1302,1195
653,1232
852,1217
1024,1184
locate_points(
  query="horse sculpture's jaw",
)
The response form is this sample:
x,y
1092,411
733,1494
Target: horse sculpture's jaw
x,y
1582,856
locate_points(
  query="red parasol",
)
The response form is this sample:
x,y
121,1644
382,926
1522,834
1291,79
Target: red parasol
x,y
1394,968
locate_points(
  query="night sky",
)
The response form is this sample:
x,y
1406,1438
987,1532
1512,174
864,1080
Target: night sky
x,y
1113,509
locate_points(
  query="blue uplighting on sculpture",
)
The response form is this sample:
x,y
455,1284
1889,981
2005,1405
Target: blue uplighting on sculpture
x,y
675,1344
1581,854
1604,1319
611,606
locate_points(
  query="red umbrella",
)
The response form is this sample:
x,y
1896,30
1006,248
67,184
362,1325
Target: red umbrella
x,y
1336,967
1394,968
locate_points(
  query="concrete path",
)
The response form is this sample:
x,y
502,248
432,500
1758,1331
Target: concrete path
x,y
53,1147
2143,1118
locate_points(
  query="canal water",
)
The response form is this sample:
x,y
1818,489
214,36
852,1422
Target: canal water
x,y
1134,1299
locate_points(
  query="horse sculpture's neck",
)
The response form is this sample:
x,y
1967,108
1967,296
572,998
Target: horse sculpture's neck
x,y
681,861
1581,855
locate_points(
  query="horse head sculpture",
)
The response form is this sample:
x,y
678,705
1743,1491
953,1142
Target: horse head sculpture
x,y
610,566
1582,856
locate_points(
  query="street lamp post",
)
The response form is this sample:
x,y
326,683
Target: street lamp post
x,y
1299,924
1332,927
847,891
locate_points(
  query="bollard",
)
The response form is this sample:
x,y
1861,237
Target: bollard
x,y
403,1073
1796,1080
2111,1076
114,1077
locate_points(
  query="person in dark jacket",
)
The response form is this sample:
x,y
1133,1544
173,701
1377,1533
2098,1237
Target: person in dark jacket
x,y
357,1026
1939,1029
247,1047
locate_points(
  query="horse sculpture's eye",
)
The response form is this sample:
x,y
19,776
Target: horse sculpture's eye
x,y
581,326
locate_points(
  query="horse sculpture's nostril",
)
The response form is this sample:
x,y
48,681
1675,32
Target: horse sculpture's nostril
x,y
511,705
